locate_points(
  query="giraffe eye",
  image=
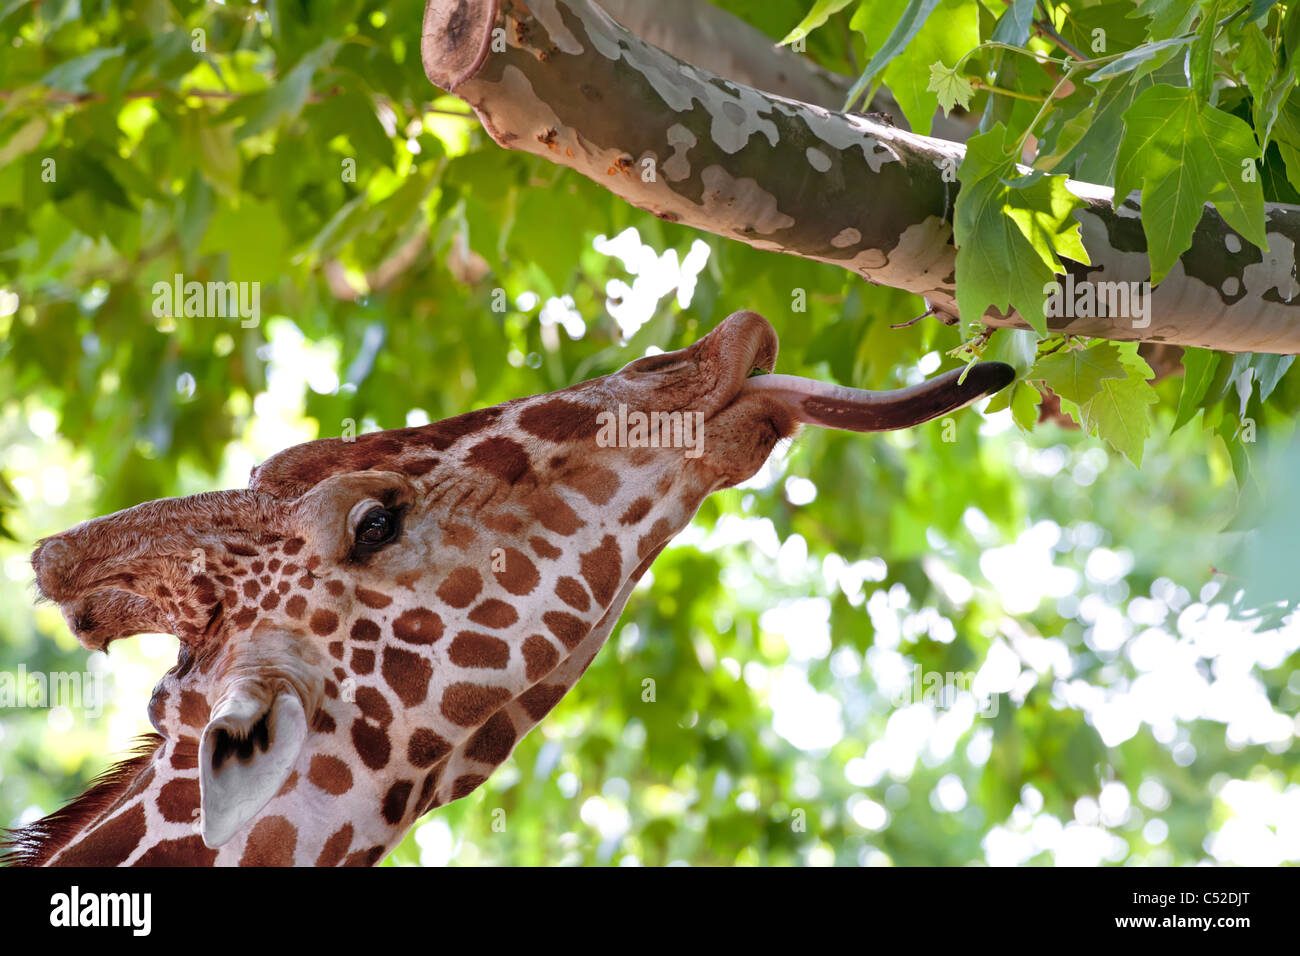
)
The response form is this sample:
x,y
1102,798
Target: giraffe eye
x,y
377,527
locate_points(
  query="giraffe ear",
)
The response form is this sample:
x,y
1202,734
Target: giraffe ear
x,y
247,751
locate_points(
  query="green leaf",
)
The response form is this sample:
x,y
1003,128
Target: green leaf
x,y
1254,60
22,142
1258,8
1269,370
1118,412
913,18
1077,374
71,75
821,11
1015,22
949,34
1183,154
1198,369
952,88
1135,58
285,99
1010,232
1168,17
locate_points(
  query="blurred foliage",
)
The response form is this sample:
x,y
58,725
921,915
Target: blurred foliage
x,y
219,141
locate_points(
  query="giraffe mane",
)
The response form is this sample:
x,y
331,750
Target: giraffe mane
x,y
36,843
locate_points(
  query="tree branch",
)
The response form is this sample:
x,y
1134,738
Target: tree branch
x,y
561,79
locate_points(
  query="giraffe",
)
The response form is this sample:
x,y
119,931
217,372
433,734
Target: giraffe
x,y
371,626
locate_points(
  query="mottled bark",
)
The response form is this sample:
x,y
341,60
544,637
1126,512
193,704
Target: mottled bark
x,y
561,79
720,42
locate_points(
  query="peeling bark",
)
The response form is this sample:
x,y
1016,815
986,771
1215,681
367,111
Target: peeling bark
x,y
561,79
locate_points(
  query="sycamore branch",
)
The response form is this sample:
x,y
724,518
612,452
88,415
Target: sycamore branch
x,y
561,79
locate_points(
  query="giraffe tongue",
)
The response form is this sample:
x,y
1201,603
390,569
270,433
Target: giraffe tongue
x,y
853,409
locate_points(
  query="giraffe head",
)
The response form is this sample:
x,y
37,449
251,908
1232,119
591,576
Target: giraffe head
x,y
370,627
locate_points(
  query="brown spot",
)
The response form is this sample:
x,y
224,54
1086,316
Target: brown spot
x,y
335,588
569,629
502,522
656,537
420,466
571,592
330,774
466,784
336,847
365,630
493,741
185,851
293,546
538,700
371,744
503,457
441,435
374,706
185,756
603,569
336,650
479,650
271,843
322,722
418,626
553,513
324,622
109,843
559,420
290,782
540,657
461,587
195,711
636,511
408,578
407,674
373,598
251,589
365,857
178,799
596,483
394,807
307,581
544,548
234,547
468,705
426,748
520,574
494,613
427,799
363,660
296,606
